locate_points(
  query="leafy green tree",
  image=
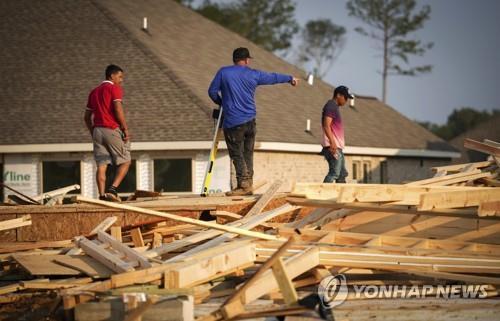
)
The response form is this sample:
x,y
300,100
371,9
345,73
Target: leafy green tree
x,y
391,22
460,121
322,42
268,23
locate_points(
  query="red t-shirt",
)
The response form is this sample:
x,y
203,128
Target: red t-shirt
x,y
101,103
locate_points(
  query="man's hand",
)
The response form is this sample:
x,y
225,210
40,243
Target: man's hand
x,y
126,135
333,151
295,81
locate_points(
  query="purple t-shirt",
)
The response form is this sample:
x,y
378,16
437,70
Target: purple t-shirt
x,y
333,111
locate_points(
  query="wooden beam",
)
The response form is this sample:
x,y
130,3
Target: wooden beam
x,y
451,179
284,282
350,238
251,223
357,257
103,256
460,198
380,207
225,228
116,232
489,208
122,248
481,147
459,167
235,304
227,258
15,223
264,199
137,237
104,225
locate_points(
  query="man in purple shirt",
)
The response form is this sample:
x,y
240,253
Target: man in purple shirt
x,y
233,88
333,135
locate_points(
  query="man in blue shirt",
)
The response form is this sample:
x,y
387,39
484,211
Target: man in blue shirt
x,y
233,88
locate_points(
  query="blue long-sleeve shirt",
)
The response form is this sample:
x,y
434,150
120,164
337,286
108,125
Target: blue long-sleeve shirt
x,y
234,86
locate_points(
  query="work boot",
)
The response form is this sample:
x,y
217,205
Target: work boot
x,y
244,188
112,195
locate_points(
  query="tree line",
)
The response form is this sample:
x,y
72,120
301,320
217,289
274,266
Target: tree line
x,y
271,24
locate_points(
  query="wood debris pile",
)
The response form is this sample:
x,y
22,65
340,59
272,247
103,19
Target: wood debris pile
x,y
419,242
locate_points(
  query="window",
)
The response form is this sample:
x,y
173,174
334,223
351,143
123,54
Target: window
x,y
172,175
129,183
57,174
355,166
383,172
367,172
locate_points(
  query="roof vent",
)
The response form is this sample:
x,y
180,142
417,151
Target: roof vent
x,y
310,79
145,23
352,103
308,125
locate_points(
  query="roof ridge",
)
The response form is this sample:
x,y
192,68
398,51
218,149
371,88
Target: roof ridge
x,y
154,58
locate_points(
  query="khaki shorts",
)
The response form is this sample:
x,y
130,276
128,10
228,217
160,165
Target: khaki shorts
x,y
109,146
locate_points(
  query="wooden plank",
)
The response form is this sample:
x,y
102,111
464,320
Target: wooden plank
x,y
104,225
489,208
101,255
18,286
351,238
251,223
481,147
295,265
451,179
44,265
349,193
122,248
116,232
376,207
192,272
157,240
394,260
137,237
225,228
53,285
284,282
264,199
459,167
461,198
85,264
15,223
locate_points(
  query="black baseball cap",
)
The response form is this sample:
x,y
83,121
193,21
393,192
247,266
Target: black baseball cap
x,y
240,54
344,91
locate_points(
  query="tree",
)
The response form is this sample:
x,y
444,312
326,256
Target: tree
x,y
460,121
268,23
393,21
322,42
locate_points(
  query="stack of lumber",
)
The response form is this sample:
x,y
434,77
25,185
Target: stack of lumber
x,y
267,259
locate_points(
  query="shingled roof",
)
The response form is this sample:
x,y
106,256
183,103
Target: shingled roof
x,y
54,52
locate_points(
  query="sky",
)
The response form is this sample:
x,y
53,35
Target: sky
x,y
465,58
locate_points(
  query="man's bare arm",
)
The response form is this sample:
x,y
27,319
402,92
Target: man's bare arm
x,y
120,116
88,120
327,122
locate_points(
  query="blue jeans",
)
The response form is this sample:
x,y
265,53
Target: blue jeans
x,y
336,167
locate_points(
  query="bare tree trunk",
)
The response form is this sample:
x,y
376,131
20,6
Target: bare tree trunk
x,y
386,66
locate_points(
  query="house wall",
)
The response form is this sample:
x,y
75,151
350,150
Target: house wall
x,y
24,173
297,167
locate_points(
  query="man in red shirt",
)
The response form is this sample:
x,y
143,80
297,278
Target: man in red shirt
x,y
105,120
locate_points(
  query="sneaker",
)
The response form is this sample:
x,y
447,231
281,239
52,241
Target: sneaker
x,y
102,198
112,195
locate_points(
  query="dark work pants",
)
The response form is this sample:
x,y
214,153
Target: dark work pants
x,y
240,141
